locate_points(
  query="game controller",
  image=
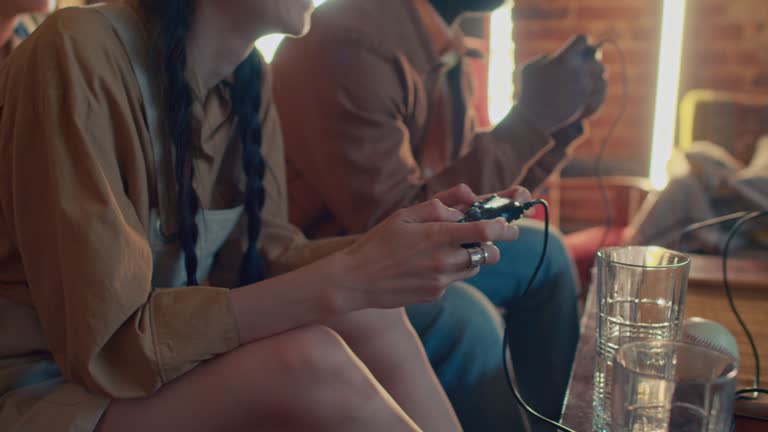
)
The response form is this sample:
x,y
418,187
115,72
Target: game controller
x,y
495,207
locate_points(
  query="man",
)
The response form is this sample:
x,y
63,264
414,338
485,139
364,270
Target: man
x,y
382,95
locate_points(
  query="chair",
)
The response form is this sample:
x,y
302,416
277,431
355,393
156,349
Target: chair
x,y
730,119
580,212
733,120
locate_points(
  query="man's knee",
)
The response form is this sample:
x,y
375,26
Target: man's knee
x,y
462,311
461,333
532,240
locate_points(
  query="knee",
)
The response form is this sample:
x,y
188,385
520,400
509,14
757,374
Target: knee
x,y
464,339
313,350
374,326
532,239
557,254
314,359
467,318
313,380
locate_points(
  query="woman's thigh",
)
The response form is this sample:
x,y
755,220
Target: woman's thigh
x,y
305,379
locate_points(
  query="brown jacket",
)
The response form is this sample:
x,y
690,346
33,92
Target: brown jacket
x,y
77,184
357,96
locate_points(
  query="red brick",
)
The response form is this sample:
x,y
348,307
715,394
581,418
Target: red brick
x,y
631,120
702,30
706,9
539,12
548,33
632,56
761,80
744,57
644,33
612,12
704,58
716,79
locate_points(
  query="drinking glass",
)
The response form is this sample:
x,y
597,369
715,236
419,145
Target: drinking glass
x,y
641,295
661,386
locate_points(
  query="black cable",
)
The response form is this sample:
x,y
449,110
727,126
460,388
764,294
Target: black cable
x,y
729,294
706,224
743,217
505,351
608,224
752,390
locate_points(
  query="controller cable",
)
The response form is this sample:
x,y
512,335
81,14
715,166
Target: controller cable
x,y
743,217
609,216
681,242
608,225
742,394
505,345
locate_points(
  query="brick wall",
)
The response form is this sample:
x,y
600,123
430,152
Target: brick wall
x,y
726,48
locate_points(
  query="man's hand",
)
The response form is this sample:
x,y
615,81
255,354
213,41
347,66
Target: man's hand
x,y
560,89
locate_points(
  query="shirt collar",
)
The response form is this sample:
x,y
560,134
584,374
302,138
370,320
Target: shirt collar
x,y
447,41
199,92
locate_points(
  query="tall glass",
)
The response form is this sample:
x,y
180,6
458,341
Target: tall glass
x,y
641,296
661,386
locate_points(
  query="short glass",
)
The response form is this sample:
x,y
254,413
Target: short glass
x,y
661,386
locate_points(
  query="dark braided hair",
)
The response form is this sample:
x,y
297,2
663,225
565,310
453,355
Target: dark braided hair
x,y
246,102
174,20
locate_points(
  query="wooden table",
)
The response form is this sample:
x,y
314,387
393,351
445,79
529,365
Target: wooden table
x,y
706,299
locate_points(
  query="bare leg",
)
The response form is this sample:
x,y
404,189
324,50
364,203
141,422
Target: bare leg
x,y
306,379
385,341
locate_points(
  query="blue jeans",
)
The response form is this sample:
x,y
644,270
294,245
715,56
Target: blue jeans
x,y
462,335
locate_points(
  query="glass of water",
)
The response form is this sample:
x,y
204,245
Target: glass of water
x,y
641,296
661,386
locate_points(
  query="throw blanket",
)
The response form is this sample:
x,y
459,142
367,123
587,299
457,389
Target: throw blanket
x,y
716,184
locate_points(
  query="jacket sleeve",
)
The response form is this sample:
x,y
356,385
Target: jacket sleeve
x,y
348,132
67,129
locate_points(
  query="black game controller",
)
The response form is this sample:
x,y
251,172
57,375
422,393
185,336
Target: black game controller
x,y
495,207
492,208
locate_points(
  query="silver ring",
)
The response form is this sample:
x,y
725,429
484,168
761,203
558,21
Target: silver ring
x,y
478,256
485,256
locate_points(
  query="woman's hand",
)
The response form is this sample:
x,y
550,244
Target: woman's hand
x,y
461,197
416,253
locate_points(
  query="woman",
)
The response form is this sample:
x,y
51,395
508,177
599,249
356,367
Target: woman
x,y
116,241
